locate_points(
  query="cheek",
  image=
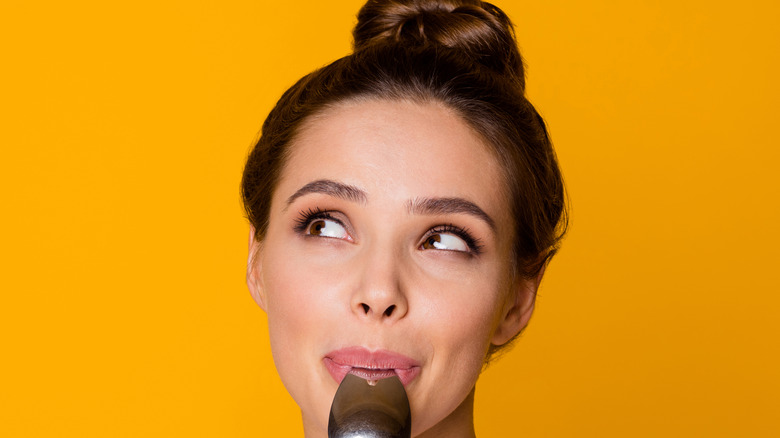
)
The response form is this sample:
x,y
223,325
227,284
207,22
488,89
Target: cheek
x,y
459,320
297,302
464,327
463,311
300,306
306,300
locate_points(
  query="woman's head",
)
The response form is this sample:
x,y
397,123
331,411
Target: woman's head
x,y
388,248
404,200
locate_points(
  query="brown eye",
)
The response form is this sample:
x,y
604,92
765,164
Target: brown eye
x,y
430,242
327,228
445,242
315,228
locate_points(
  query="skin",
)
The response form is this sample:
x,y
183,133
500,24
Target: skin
x,y
329,285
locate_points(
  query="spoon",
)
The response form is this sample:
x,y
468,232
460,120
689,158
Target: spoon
x,y
363,410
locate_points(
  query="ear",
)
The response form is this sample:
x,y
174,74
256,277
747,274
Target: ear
x,y
518,309
254,274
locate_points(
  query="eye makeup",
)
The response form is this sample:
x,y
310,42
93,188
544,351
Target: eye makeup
x,y
307,217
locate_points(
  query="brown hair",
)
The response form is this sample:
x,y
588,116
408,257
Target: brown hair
x,y
460,53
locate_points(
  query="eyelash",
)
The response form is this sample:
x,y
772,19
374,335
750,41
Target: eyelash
x,y
305,217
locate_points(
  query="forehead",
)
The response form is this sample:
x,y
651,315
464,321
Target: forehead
x,y
396,150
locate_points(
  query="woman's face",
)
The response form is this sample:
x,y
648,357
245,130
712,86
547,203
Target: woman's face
x,y
388,252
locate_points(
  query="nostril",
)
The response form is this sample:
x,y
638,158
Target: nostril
x,y
366,308
389,310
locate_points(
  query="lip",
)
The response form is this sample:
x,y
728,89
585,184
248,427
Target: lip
x,y
370,365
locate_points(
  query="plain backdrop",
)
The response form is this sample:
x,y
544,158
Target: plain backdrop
x,y
123,308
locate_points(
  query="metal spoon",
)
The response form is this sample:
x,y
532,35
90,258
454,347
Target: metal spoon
x,y
360,410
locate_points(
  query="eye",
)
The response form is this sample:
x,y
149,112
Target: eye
x,y
446,242
327,228
451,238
320,223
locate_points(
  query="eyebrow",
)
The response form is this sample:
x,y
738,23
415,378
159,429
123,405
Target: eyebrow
x,y
331,188
434,206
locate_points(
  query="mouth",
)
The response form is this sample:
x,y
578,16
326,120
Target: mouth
x,y
371,366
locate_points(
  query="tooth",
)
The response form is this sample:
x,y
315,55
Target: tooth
x,y
372,382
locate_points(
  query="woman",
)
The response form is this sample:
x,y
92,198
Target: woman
x,y
404,201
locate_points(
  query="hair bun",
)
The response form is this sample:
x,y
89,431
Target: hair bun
x,y
478,29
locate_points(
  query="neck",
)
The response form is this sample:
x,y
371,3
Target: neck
x,y
459,424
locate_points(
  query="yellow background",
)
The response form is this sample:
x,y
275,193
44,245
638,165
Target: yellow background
x,y
124,128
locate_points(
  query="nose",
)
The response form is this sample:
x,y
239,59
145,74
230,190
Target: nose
x,y
380,294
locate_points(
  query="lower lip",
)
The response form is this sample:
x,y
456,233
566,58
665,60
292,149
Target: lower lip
x,y
339,371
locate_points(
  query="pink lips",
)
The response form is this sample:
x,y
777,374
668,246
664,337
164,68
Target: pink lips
x,y
370,365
